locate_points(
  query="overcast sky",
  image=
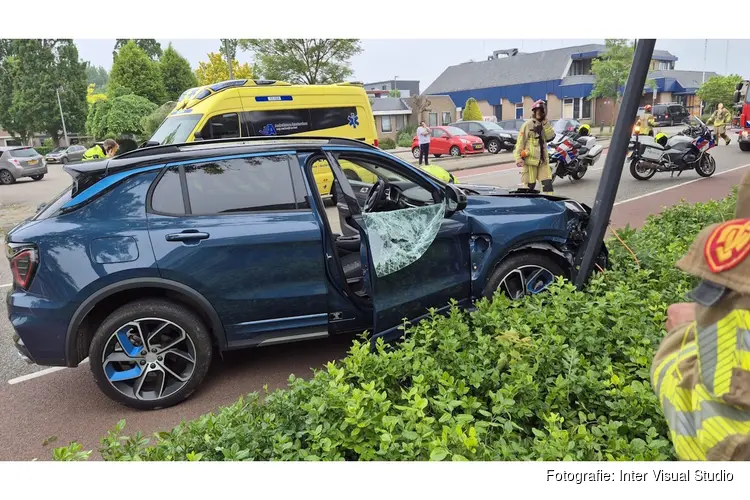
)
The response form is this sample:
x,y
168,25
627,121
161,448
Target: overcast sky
x,y
424,60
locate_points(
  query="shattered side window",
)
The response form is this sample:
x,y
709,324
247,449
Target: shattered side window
x,y
401,237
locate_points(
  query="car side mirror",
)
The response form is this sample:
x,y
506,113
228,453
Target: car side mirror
x,y
197,136
738,86
481,132
455,199
736,96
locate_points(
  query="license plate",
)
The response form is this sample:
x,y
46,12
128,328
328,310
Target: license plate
x,y
33,162
477,146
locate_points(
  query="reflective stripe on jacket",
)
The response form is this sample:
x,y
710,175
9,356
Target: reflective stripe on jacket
x,y
701,375
528,140
93,153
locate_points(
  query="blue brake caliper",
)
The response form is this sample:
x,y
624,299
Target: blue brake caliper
x,y
540,282
132,351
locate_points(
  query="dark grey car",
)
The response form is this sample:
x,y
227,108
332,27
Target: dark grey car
x,y
19,161
495,137
66,155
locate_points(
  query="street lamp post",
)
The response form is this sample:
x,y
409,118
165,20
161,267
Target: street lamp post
x,y
62,117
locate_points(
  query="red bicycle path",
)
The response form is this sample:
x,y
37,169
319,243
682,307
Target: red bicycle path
x,y
68,405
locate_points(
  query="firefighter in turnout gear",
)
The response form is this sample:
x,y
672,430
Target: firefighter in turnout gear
x,y
701,371
647,121
531,149
106,149
720,119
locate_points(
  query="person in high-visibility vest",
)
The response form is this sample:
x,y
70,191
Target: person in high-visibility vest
x,y
106,149
647,121
701,371
531,148
720,119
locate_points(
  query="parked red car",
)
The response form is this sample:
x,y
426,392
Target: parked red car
x,y
450,141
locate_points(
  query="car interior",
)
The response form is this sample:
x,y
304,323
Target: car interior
x,y
397,212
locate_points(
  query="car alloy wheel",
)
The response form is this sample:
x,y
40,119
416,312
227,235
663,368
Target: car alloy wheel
x,y
149,359
526,280
493,147
415,152
455,151
6,177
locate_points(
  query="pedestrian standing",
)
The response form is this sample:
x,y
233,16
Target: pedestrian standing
x,y
423,138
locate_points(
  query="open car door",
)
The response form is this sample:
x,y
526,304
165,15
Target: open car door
x,y
414,258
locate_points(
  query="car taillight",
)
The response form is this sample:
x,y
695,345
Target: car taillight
x,y
15,162
23,264
666,116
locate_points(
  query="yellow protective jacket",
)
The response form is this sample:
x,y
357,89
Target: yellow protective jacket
x,y
93,153
647,122
701,371
721,118
529,141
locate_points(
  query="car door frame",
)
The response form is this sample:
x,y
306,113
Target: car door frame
x,y
357,216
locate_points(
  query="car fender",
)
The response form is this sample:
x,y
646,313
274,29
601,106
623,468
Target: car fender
x,y
147,282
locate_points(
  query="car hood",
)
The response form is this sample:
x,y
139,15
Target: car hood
x,y
483,190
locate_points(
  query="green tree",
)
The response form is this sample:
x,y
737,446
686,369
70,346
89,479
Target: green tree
x,y
471,110
718,89
151,47
134,71
395,93
73,91
151,122
98,76
176,73
119,116
217,70
611,71
304,60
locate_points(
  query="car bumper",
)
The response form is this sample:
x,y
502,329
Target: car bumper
x,y
743,136
469,149
31,171
39,328
50,159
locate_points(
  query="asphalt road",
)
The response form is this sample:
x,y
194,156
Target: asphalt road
x,y
67,404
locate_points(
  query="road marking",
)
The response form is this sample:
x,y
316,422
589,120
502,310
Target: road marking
x,y
6,285
40,373
680,185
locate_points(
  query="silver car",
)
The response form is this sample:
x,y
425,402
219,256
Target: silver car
x,y
21,161
66,154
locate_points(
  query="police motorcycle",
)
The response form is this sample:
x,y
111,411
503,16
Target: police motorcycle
x,y
572,153
687,150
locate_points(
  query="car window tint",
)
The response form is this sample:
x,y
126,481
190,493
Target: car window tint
x,y
222,127
240,185
436,132
23,153
475,127
167,196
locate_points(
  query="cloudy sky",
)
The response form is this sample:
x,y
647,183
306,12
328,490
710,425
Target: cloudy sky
x,y
424,60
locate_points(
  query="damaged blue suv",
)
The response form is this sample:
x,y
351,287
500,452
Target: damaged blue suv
x,y
155,260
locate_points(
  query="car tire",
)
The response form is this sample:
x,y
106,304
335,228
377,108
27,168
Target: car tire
x,y
744,146
493,146
455,151
6,178
180,322
415,152
437,156
64,160
506,276
38,177
637,175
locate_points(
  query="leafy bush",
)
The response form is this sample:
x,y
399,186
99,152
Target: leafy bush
x,y
387,143
471,110
406,136
151,122
558,376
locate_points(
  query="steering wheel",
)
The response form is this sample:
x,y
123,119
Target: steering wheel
x,y
376,194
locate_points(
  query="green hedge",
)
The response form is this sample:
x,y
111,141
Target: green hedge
x,y
387,143
559,376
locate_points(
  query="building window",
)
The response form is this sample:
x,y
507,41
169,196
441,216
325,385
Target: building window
x,y
384,87
446,118
665,65
385,124
498,112
460,113
519,111
433,120
580,67
585,108
576,108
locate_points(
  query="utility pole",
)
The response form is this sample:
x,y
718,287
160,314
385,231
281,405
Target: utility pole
x,y
726,60
62,117
705,51
229,58
601,210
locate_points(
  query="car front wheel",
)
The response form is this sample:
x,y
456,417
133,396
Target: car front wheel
x,y
493,146
455,151
525,273
150,354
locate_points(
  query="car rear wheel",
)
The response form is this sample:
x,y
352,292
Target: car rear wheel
x,y
744,146
455,151
6,177
38,177
64,160
150,354
438,156
522,274
493,146
415,152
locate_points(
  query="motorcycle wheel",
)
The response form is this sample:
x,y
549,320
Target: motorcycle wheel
x,y
707,166
579,173
642,174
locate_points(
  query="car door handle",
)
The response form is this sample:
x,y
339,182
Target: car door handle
x,y
188,235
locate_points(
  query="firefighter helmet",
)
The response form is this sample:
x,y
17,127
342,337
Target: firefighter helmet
x,y
647,108
539,104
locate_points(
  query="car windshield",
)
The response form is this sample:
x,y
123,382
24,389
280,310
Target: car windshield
x,y
454,131
57,150
175,129
23,153
493,126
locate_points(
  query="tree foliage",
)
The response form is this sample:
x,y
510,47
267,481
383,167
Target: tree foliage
x,y
98,76
304,60
151,47
176,73
119,116
32,72
217,70
719,89
134,72
472,111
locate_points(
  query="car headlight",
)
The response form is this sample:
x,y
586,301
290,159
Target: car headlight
x,y
505,136
464,141
574,206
